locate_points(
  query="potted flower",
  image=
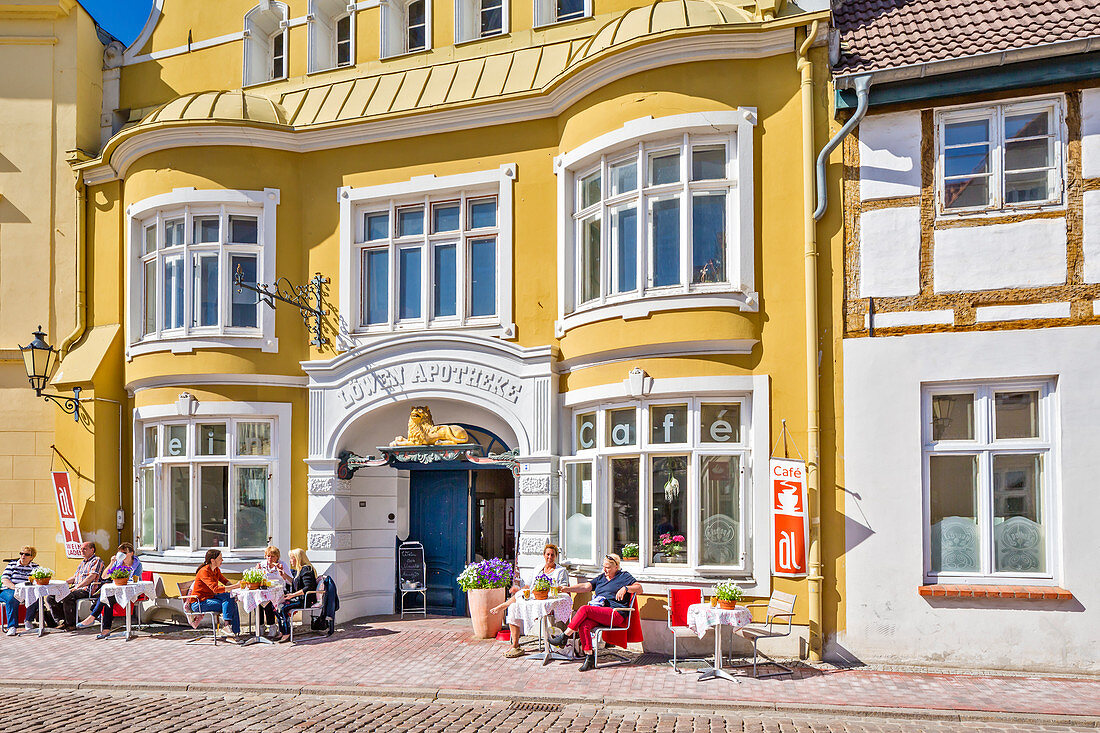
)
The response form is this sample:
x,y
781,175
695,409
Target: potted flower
x,y
540,589
630,552
727,593
670,545
484,583
121,574
251,578
41,575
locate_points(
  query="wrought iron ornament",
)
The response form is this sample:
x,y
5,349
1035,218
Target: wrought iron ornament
x,y
299,296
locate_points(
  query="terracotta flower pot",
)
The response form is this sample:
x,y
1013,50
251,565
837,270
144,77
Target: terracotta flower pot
x,y
727,605
121,581
540,595
630,558
250,586
42,581
480,600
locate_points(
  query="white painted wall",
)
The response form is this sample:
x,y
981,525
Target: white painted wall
x,y
889,252
1090,133
887,621
1023,254
1091,226
889,155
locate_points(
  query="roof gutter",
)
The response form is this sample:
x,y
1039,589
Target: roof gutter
x,y
863,89
970,63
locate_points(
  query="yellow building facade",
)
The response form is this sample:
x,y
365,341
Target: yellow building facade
x,y
577,229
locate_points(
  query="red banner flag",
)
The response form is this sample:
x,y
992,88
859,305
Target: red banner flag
x,y
66,510
790,532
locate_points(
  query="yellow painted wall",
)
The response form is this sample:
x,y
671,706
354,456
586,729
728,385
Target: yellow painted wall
x,y
51,105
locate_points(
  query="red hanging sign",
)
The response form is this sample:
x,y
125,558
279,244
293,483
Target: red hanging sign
x,y
66,510
790,532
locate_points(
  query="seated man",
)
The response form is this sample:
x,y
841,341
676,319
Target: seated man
x,y
16,573
84,584
609,592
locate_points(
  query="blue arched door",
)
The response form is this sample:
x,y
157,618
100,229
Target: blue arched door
x,y
439,510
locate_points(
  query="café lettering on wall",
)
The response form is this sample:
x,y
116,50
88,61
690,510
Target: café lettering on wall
x,y
790,533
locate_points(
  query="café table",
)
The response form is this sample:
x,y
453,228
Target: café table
x,y
28,594
703,616
252,600
541,612
125,596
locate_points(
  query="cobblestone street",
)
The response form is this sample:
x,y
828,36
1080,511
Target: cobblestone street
x,y
121,710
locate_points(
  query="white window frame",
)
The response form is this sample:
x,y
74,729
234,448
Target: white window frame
x,y
753,574
261,24
355,203
162,557
641,138
468,20
545,12
187,203
984,446
395,29
322,20
995,114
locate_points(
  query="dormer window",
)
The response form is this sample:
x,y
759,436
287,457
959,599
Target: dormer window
x,y
569,9
406,27
476,19
331,34
548,12
265,43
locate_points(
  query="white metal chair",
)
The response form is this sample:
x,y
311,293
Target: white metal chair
x,y
187,598
676,616
310,610
780,606
616,625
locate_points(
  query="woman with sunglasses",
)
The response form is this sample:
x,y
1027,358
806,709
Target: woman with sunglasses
x,y
609,599
125,557
16,573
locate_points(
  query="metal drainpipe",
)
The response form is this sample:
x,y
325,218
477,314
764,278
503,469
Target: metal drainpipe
x,y
81,275
813,429
862,86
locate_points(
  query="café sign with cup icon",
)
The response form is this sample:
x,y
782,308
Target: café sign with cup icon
x,y
790,533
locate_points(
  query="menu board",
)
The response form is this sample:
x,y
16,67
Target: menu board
x,y
410,566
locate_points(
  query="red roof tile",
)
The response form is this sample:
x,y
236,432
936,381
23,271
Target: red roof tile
x,y
880,34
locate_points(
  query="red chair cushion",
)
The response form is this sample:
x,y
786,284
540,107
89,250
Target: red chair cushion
x,y
678,601
631,634
4,615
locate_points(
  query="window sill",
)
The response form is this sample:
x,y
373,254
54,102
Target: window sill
x,y
469,41
506,331
642,307
188,344
1023,592
990,213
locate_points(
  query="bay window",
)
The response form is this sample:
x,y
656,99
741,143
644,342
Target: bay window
x,y
667,476
988,480
188,247
655,214
206,483
437,257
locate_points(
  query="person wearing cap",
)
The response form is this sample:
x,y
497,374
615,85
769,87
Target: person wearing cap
x,y
609,601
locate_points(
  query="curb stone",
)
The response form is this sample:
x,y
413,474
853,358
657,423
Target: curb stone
x,y
456,695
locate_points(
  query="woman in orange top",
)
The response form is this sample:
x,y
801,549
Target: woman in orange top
x,y
211,590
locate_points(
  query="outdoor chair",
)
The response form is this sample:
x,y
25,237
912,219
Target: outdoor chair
x,y
310,610
780,606
676,613
188,599
619,633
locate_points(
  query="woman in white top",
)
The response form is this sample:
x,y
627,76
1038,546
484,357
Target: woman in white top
x,y
275,571
558,576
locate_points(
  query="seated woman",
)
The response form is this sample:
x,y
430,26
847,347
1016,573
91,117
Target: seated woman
x,y
304,581
275,571
609,592
212,588
558,576
125,557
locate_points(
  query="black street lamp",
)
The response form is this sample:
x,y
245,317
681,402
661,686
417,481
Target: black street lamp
x,y
40,359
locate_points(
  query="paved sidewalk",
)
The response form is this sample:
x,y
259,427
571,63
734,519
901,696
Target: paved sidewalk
x,y
435,658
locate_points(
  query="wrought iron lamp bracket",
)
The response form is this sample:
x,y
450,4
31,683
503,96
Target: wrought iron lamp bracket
x,y
309,299
68,405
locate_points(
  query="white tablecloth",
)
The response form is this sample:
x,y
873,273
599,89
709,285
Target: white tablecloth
x,y
529,613
253,599
124,594
702,616
28,594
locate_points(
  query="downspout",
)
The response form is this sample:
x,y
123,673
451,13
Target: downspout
x,y
813,428
862,86
81,275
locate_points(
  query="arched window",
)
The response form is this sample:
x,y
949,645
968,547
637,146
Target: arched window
x,y
265,43
415,26
480,19
331,35
406,27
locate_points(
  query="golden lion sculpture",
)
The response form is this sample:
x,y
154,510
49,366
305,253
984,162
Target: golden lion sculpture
x,y
423,431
